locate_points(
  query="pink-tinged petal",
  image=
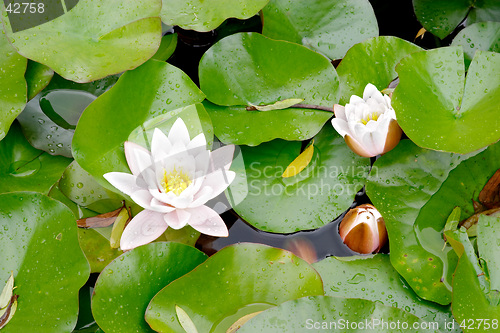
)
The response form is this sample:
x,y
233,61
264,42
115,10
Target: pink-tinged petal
x,y
221,158
339,111
171,198
179,133
217,181
201,197
199,141
142,198
125,182
144,228
160,145
393,136
341,126
207,221
160,207
357,147
138,157
177,219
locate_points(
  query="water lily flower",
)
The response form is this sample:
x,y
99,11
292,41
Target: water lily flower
x,y
368,124
172,183
363,229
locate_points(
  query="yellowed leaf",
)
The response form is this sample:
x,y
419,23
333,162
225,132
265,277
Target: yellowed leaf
x,y
420,33
237,325
116,233
300,162
279,105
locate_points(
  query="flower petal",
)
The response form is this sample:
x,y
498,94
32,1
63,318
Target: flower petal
x,y
207,221
197,142
179,133
340,126
144,228
125,182
357,147
142,198
177,219
339,111
160,145
221,158
134,155
217,181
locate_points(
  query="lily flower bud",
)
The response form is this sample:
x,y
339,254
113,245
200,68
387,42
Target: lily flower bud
x,y
363,229
368,124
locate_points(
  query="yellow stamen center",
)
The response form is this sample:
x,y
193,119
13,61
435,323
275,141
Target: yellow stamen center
x,y
175,181
372,116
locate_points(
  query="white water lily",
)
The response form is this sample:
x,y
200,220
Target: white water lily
x,y
172,183
368,124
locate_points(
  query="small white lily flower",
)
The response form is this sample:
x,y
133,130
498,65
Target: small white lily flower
x,y
172,183
368,124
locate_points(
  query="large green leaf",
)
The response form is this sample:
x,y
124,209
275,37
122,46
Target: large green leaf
x,y
488,242
13,87
329,27
479,36
416,190
49,119
333,314
236,281
440,17
37,77
236,125
248,68
438,108
38,242
124,289
206,15
373,278
257,70
308,200
372,61
475,293
151,90
95,39
24,168
81,188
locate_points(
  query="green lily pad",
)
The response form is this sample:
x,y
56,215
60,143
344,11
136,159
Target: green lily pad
x,y
97,249
440,17
308,200
475,300
483,36
415,190
82,189
206,15
332,314
49,119
372,61
124,289
328,27
167,47
12,84
38,241
373,278
24,168
96,88
258,70
243,279
438,108
93,39
38,77
488,239
236,125
151,90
